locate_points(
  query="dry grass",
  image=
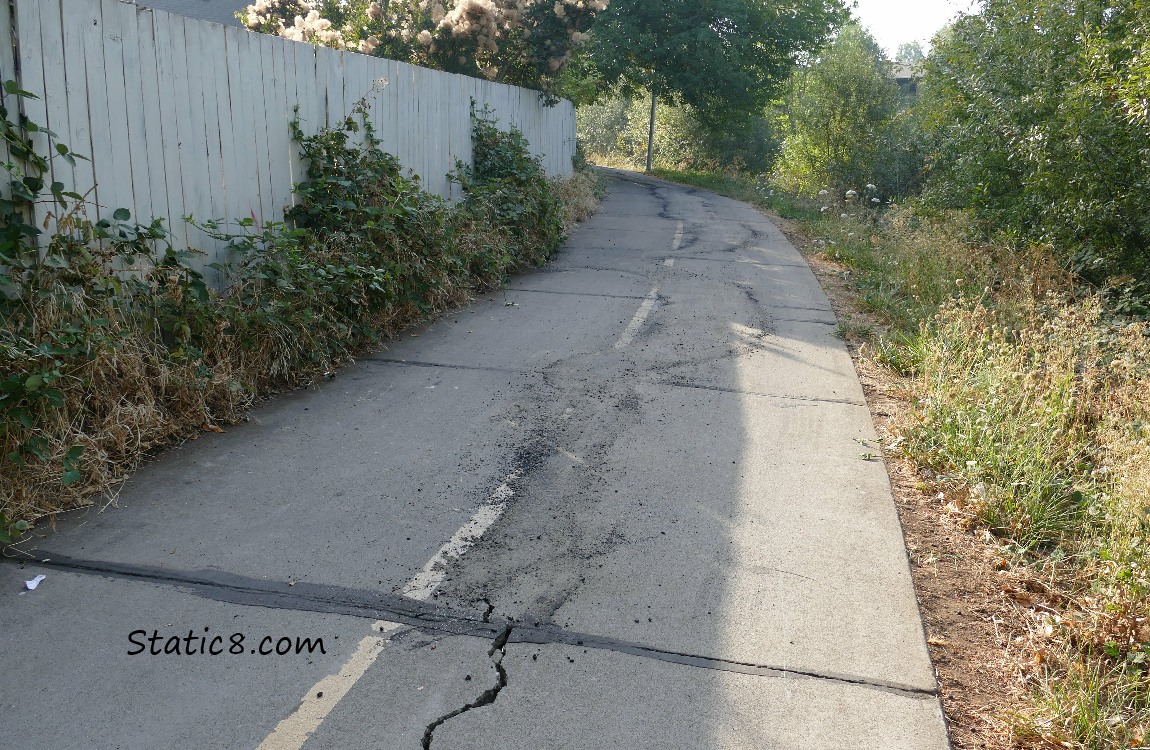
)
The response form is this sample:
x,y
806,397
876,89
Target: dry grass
x,y
580,193
1032,415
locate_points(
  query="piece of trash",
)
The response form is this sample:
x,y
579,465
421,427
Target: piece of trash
x,y
31,585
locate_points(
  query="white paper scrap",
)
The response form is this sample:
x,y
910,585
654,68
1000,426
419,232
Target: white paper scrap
x,y
31,585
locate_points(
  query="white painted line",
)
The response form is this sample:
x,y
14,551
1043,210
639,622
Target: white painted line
x,y
294,731
637,321
571,455
678,238
669,262
427,580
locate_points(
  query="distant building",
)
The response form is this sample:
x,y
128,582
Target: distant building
x,y
218,11
907,76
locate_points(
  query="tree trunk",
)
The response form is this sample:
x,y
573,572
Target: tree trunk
x,y
651,134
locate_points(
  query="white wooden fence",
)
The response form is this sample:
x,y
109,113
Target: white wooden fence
x,y
186,117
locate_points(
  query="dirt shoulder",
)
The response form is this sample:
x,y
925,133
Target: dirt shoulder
x,y
974,629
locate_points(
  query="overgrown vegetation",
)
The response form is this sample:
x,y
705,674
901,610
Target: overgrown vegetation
x,y
113,345
1029,129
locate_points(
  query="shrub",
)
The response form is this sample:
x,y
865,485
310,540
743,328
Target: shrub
x,y
113,345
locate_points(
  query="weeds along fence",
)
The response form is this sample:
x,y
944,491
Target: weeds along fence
x,y
185,117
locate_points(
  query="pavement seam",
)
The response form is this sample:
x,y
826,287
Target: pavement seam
x,y
799,307
745,261
428,617
576,294
724,389
806,320
444,365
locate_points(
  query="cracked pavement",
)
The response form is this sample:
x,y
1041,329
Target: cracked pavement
x,y
621,503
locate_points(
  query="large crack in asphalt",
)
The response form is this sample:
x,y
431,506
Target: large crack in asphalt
x,y
496,653
429,617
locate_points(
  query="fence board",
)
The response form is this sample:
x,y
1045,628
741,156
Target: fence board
x,y
79,136
7,45
216,50
132,76
245,201
114,174
291,83
214,203
32,80
279,142
307,99
153,122
7,58
101,134
259,77
54,91
189,145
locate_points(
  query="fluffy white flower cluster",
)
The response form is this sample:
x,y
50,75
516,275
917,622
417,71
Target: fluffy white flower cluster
x,y
482,19
367,46
313,28
265,13
486,36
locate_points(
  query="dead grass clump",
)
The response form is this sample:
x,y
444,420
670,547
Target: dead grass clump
x,y
580,194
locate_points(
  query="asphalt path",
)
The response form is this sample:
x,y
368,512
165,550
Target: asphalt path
x,y
624,503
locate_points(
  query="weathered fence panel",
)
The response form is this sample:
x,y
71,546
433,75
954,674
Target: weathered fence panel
x,y
185,117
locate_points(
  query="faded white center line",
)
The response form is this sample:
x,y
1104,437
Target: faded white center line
x,y
637,321
669,262
317,703
428,580
678,237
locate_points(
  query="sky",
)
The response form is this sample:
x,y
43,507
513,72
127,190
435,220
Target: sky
x,y
894,22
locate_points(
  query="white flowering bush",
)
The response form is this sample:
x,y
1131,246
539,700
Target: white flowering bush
x,y
521,42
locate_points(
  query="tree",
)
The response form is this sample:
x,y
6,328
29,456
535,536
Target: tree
x,y
909,53
1119,58
725,58
521,42
839,117
1027,135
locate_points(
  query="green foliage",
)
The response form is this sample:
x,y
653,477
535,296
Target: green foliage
x,y
1119,59
726,58
1032,129
909,53
841,126
507,186
601,125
